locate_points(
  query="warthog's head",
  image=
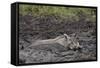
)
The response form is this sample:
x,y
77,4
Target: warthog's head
x,y
71,42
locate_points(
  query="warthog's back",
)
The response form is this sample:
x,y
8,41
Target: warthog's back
x,y
40,42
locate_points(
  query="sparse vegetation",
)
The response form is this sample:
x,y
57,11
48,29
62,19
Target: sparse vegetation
x,y
78,13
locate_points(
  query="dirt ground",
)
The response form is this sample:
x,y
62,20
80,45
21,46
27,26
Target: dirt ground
x,y
45,27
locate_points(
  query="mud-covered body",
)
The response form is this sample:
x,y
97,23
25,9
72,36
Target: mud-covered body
x,y
63,40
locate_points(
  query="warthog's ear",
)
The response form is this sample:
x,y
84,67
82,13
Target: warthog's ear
x,y
74,35
66,36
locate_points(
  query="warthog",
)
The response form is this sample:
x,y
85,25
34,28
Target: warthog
x,y
64,40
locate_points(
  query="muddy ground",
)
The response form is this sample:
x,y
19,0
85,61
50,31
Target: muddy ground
x,y
32,28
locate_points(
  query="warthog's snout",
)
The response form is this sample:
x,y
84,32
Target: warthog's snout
x,y
78,48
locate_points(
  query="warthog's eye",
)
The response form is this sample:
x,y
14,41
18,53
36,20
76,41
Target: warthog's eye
x,y
69,41
66,37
